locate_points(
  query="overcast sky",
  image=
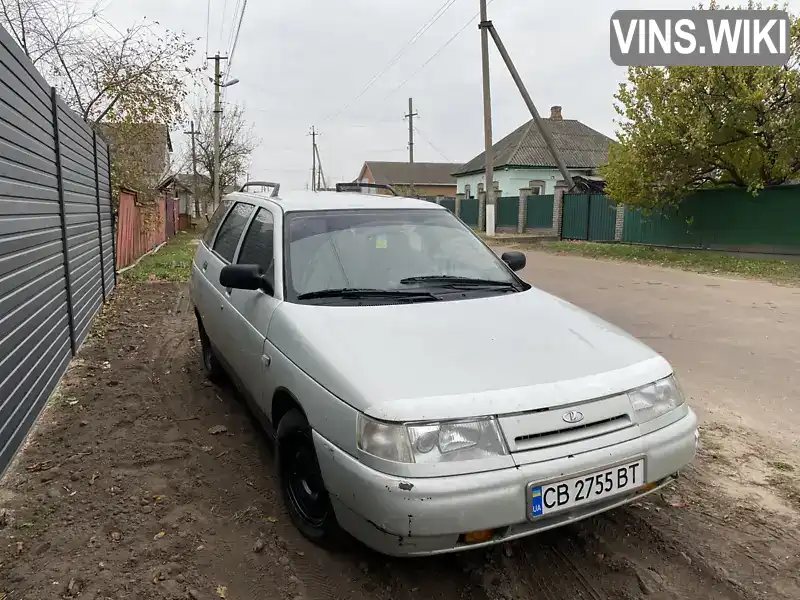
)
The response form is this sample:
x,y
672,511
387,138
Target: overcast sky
x,y
304,62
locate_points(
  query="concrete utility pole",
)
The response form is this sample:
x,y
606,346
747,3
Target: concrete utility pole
x,y
194,133
217,112
313,135
410,116
487,126
321,183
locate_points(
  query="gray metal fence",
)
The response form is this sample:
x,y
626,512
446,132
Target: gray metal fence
x,y
56,240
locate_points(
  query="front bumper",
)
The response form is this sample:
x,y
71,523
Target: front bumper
x,y
406,517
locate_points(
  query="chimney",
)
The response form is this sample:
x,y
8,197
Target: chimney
x,y
555,113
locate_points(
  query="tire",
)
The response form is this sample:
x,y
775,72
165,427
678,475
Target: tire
x,y
302,487
211,364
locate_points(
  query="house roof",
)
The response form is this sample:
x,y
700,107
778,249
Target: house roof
x,y
185,181
423,173
580,146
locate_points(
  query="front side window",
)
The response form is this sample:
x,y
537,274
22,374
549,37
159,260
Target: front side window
x,y
231,230
383,250
258,245
215,220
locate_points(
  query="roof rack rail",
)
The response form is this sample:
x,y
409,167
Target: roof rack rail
x,y
275,186
357,185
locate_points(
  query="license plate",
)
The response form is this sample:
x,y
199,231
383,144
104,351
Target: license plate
x,y
561,495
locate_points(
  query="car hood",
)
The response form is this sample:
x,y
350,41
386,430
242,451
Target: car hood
x,y
457,359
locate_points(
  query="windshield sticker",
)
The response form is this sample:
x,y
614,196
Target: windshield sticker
x,y
381,242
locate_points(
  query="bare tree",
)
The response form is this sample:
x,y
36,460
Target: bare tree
x,y
45,28
129,84
237,143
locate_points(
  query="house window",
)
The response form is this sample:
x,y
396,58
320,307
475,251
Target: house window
x,y
467,191
496,185
480,188
536,186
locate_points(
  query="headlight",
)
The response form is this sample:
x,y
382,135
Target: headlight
x,y
431,442
656,399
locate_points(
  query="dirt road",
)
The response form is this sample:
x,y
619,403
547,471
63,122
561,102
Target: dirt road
x,y
125,492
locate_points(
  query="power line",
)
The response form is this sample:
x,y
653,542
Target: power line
x,y
236,38
222,22
232,32
438,52
208,26
420,32
430,143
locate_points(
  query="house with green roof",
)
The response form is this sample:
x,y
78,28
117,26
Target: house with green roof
x,y
522,159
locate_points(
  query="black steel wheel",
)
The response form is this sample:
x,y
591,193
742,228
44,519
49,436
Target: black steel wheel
x,y
302,485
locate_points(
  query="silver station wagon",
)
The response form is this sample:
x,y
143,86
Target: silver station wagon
x,y
422,397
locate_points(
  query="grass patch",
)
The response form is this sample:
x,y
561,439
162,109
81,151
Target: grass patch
x,y
779,271
172,263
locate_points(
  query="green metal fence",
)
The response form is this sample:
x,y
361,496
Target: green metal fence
x,y
726,218
469,211
588,217
507,211
602,218
449,204
539,212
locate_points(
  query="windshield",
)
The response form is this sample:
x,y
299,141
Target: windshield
x,y
379,249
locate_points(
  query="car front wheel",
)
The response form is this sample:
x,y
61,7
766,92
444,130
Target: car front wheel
x,y
302,486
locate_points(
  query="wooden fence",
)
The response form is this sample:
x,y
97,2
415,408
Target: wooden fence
x,y
139,228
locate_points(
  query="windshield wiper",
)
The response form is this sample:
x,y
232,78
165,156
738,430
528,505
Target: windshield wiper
x,y
357,293
454,280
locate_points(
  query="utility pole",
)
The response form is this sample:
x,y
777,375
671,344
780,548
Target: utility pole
x,y
313,135
410,116
320,174
487,128
194,133
217,113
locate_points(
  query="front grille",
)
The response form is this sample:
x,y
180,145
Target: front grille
x,y
582,431
547,428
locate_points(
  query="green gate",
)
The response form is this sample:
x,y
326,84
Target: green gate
x,y
469,211
507,211
588,217
575,217
539,212
602,218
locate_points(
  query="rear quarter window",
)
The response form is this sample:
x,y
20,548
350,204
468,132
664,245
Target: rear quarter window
x,y
216,219
227,239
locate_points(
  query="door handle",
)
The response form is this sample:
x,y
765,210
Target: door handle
x,y
265,360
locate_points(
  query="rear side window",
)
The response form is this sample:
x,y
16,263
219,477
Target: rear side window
x,y
258,245
231,230
215,220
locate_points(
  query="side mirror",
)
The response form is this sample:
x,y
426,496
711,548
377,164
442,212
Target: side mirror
x,y
515,260
245,277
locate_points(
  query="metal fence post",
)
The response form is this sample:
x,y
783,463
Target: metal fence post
x,y
588,216
63,214
113,216
99,221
